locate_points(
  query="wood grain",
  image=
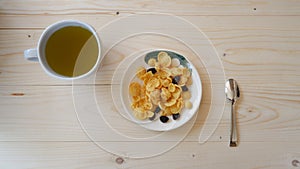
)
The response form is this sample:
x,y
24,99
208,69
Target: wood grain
x,y
219,7
206,23
53,118
258,44
188,155
250,48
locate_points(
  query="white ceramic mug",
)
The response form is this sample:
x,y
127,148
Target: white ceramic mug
x,y
38,54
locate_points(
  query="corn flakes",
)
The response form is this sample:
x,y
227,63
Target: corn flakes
x,y
170,102
176,71
134,89
165,94
171,87
189,81
152,62
186,72
140,72
186,95
188,104
139,114
175,62
166,82
183,80
162,87
164,59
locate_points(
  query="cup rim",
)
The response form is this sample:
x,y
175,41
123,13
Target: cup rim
x,y
48,69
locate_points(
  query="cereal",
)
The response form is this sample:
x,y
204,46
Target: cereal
x,y
166,112
163,73
183,80
163,89
166,82
188,104
155,97
150,87
143,92
164,59
176,71
147,106
140,72
161,106
175,109
147,75
151,62
171,87
152,83
157,66
175,62
186,95
140,115
135,89
179,103
136,98
165,94
150,114
186,72
189,81
177,92
170,102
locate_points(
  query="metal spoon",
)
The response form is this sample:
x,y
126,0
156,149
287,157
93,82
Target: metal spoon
x,y
232,94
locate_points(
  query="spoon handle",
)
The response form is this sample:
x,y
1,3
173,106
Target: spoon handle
x,y
233,131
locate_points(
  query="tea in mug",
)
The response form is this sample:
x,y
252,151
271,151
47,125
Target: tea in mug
x,y
72,51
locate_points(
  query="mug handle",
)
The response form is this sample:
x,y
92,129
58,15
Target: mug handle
x,y
31,55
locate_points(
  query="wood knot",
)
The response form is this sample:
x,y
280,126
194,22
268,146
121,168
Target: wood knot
x,y
119,160
250,109
17,94
296,163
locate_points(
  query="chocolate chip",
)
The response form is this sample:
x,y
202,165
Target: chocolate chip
x,y
176,80
164,119
176,116
184,88
153,70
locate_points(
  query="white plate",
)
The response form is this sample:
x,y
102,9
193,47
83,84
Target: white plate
x,y
185,115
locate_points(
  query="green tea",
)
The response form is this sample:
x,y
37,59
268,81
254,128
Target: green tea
x,y
72,51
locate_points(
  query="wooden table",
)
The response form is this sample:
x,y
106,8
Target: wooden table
x,y
257,41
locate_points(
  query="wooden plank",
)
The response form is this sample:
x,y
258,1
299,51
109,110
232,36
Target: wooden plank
x,y
220,7
42,21
57,155
205,23
52,117
46,114
257,43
